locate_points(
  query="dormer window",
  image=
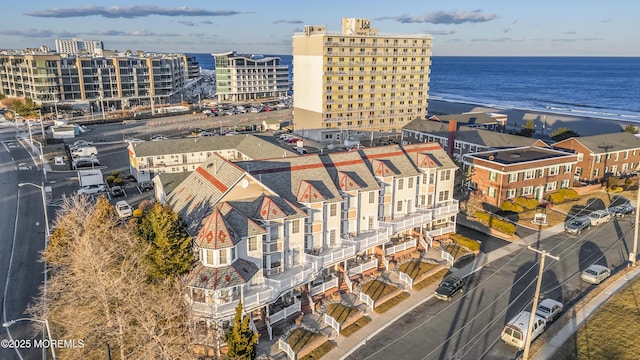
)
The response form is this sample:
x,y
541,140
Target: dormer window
x,y
219,257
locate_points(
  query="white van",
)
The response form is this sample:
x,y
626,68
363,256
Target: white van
x,y
84,151
515,332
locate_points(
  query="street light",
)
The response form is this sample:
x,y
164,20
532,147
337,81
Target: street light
x,y
46,324
44,206
44,170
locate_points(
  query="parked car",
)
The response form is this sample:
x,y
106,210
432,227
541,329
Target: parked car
x,y
146,186
515,332
549,309
123,209
83,162
595,274
450,286
133,140
117,191
621,210
92,189
159,138
206,133
599,217
81,143
577,224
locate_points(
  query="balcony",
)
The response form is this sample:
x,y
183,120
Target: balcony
x,y
365,241
330,283
422,216
289,279
364,267
401,247
330,256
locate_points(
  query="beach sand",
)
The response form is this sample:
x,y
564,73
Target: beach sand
x,y
585,126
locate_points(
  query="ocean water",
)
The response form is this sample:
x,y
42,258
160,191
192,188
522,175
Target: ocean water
x,y
604,87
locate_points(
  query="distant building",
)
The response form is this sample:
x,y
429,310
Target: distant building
x,y
358,79
78,46
241,77
531,172
112,80
603,155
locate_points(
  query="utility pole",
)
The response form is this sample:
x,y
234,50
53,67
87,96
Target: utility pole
x,y
532,318
633,254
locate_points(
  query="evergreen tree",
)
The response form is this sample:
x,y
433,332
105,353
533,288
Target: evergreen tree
x,y
242,341
170,254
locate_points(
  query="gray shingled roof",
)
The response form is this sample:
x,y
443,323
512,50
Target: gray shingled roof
x,y
170,181
215,278
470,118
253,146
352,165
433,150
393,156
284,176
606,143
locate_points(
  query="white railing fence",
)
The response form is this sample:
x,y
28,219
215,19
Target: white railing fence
x,y
287,349
385,262
424,244
363,267
367,300
312,304
348,282
284,313
332,322
406,278
319,289
401,247
446,256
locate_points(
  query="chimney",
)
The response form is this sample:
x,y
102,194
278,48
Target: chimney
x,y
451,136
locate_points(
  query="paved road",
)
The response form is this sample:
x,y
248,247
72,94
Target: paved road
x,y
22,231
469,327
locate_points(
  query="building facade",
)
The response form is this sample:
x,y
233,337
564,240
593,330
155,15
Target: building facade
x,y
115,80
531,172
79,46
242,77
600,156
277,231
358,79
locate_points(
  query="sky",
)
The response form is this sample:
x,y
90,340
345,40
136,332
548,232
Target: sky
x,y
458,28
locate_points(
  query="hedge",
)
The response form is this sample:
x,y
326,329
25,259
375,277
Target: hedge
x,y
117,181
615,189
511,206
110,179
568,194
529,204
495,223
556,198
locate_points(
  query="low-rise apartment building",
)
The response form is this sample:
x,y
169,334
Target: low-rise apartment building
x,y
147,159
599,156
533,172
276,230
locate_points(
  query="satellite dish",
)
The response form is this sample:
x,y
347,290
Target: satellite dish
x,y
244,183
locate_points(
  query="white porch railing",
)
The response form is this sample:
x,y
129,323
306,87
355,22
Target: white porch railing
x,y
312,304
332,322
259,298
363,267
406,278
423,216
216,310
424,244
445,255
284,313
385,262
348,282
281,283
324,286
442,231
368,240
401,247
287,349
367,300
334,256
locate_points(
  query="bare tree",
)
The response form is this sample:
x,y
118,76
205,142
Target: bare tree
x,y
98,290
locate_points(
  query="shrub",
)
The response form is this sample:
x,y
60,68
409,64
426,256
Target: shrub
x,y
615,189
137,213
627,183
568,194
511,206
612,181
495,223
529,204
110,179
115,173
117,181
555,198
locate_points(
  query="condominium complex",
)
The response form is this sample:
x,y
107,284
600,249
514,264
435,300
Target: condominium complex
x,y
358,79
79,46
242,77
114,80
282,230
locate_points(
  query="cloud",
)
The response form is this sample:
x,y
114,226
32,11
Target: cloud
x,y
443,17
288,22
139,33
187,23
569,33
506,30
128,12
501,39
207,22
442,32
35,33
575,40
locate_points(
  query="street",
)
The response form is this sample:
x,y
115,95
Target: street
x,y
469,327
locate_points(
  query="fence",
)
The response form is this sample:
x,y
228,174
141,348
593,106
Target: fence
x,y
284,313
363,267
312,304
367,300
324,286
348,282
406,278
332,322
385,262
401,247
445,255
287,349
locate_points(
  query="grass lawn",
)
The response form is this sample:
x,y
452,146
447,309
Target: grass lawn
x,y
383,308
611,332
320,351
456,250
416,268
340,312
300,337
435,278
359,324
377,289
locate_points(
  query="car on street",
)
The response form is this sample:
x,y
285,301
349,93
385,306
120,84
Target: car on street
x,y
81,143
621,210
515,331
450,286
595,274
549,309
133,140
92,189
577,224
598,217
206,133
86,161
123,209
146,185
117,191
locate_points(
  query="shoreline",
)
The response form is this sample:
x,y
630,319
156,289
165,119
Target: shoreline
x,y
546,121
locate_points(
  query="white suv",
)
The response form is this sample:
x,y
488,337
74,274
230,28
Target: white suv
x,y
92,189
599,217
